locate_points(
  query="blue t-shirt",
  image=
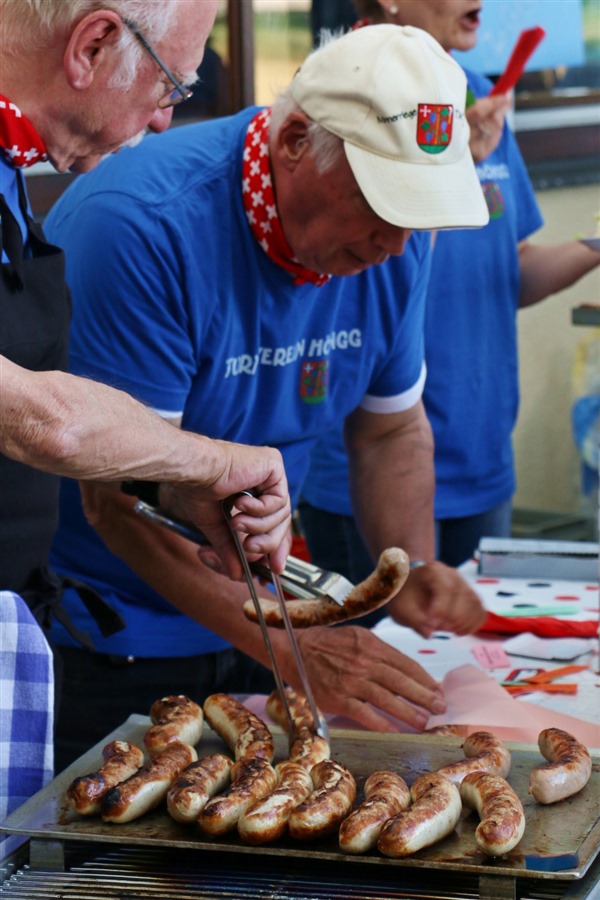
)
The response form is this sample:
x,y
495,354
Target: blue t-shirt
x,y
176,303
9,188
472,392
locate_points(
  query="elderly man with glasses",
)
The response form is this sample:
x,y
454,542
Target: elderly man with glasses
x,y
255,278
79,79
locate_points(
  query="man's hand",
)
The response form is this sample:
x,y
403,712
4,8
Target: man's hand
x,y
486,121
435,597
263,521
355,674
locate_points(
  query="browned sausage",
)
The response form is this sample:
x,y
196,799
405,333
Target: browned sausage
x,y
253,777
190,793
568,771
383,584
244,733
434,814
121,760
501,812
307,747
386,794
328,804
483,753
267,820
149,786
174,718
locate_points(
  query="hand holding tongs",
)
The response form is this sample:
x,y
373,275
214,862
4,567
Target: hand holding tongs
x,y
301,579
318,718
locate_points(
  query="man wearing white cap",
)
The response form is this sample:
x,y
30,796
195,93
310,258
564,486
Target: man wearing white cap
x,y
241,276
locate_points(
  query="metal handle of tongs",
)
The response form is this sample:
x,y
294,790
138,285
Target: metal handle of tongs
x,y
318,718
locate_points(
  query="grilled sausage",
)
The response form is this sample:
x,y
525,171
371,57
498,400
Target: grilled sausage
x,y
307,747
267,820
386,795
121,760
190,793
383,584
253,777
327,805
149,786
501,812
434,814
174,718
483,753
568,771
244,733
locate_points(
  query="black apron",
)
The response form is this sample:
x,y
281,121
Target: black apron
x,y
35,310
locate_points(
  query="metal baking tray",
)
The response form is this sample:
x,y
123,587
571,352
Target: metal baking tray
x,y
560,842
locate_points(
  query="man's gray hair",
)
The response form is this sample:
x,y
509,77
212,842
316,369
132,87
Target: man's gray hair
x,y
27,25
327,148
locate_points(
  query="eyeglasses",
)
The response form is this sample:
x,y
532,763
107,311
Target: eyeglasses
x,y
180,93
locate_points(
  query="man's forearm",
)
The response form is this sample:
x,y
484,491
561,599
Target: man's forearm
x,y
392,489
74,427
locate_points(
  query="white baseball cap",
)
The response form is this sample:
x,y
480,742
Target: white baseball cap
x,y
397,100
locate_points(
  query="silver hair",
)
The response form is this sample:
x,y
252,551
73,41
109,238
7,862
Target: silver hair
x,y
327,148
28,25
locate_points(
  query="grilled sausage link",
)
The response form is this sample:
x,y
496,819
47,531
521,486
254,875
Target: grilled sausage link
x,y
174,718
383,584
434,814
267,820
386,795
568,771
483,753
149,786
253,777
121,760
501,812
244,733
307,747
327,805
190,793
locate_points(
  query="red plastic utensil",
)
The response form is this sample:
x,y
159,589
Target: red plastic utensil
x,y
526,44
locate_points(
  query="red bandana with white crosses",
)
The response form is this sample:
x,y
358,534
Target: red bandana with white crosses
x,y
19,141
260,205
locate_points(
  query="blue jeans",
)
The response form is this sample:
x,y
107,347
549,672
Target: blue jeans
x,y
457,539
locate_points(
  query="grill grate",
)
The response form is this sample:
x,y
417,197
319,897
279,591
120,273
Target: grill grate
x,y
138,873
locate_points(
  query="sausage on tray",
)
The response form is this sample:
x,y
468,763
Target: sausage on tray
x,y
386,795
174,718
501,812
252,778
328,804
244,732
383,584
149,786
568,771
483,753
434,814
190,793
121,760
267,820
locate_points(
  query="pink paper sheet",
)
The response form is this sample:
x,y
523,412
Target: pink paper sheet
x,y
476,702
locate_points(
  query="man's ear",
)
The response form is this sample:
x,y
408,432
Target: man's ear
x,y
292,141
88,44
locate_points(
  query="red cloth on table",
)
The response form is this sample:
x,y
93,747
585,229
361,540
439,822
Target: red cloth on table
x,y
541,626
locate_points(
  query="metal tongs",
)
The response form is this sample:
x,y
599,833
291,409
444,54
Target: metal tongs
x,y
303,575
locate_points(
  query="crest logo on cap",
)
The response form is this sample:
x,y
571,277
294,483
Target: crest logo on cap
x,y
434,126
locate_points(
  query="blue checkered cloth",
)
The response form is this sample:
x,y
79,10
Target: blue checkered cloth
x,y
26,705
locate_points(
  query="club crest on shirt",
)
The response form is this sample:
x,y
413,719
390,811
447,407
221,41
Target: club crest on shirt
x,y
493,198
434,126
314,380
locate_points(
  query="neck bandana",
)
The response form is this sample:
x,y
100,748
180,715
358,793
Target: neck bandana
x,y
260,205
19,141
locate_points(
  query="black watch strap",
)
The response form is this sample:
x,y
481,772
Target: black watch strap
x,y
144,490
